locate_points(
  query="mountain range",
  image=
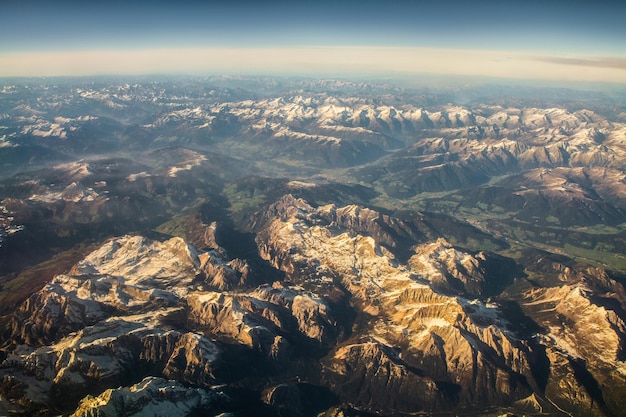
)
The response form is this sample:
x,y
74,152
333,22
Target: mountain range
x,y
269,246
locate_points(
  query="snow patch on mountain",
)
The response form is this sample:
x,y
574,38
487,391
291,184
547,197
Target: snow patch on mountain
x,y
146,264
74,192
404,308
578,326
150,397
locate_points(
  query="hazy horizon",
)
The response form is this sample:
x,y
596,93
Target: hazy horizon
x,y
549,40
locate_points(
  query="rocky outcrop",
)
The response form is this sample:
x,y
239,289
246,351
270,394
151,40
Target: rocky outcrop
x,y
114,317
448,269
416,325
128,275
354,319
76,192
571,388
111,353
58,309
365,373
386,230
152,396
460,343
266,318
584,337
222,274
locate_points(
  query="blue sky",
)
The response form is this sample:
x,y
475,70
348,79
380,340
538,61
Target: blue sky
x,y
559,32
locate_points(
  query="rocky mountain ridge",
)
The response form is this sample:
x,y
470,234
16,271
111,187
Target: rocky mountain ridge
x,y
230,246
334,129
137,307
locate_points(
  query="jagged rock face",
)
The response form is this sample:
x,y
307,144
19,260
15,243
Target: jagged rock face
x,y
113,352
124,311
259,318
448,269
110,320
585,336
47,315
501,141
76,192
574,313
446,338
127,275
366,374
387,230
164,266
222,274
360,325
152,396
567,389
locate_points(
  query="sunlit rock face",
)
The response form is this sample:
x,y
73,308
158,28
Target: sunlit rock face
x,y
152,396
445,348
124,311
343,311
585,336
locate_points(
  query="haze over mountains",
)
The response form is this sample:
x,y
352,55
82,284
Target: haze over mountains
x,y
420,209
539,40
282,246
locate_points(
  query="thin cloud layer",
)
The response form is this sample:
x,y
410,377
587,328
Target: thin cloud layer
x,y
323,61
534,40
619,63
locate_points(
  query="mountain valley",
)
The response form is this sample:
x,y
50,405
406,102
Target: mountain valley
x,y
272,246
